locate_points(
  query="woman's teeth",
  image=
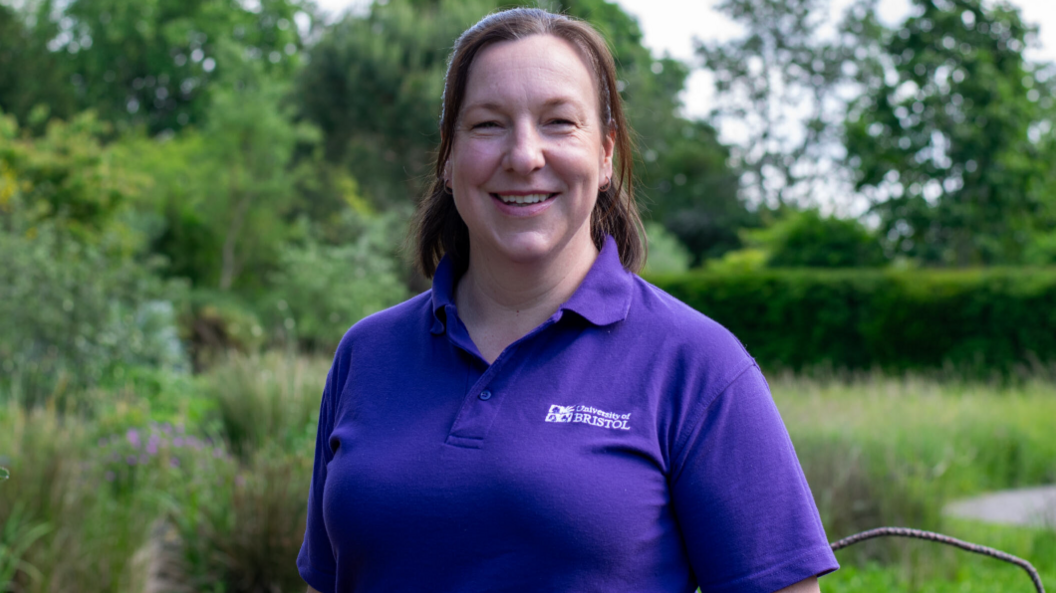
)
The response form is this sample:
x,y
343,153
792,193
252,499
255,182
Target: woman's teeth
x,y
529,199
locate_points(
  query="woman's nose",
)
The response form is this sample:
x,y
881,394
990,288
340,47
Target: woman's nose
x,y
524,154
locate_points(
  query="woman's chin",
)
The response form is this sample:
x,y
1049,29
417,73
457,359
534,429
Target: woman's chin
x,y
533,248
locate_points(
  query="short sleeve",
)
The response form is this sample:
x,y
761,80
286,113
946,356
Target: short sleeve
x,y
743,505
316,559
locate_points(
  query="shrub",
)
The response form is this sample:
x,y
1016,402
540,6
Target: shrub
x,y
72,312
321,290
973,320
808,239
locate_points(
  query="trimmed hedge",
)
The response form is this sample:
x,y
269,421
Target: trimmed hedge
x,y
979,319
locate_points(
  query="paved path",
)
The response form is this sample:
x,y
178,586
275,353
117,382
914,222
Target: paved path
x,y
1035,507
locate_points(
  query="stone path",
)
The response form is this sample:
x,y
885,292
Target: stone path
x,y
1032,507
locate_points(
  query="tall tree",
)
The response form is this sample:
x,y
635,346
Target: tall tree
x,y
150,62
31,75
777,88
946,140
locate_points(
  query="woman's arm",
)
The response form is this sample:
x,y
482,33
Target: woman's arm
x,y
311,590
805,586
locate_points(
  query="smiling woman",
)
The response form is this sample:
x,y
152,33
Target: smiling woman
x,y
543,419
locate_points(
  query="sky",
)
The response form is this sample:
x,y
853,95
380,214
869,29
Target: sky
x,y
670,27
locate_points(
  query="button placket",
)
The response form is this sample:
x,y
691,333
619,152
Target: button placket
x,y
479,407
482,402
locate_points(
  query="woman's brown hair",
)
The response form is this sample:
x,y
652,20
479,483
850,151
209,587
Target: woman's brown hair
x,y
438,227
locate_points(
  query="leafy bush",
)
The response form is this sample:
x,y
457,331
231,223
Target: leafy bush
x,y
974,320
76,301
667,254
72,313
321,290
808,239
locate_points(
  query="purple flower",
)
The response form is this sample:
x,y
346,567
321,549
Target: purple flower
x,y
131,459
166,428
174,462
218,453
133,437
152,447
177,442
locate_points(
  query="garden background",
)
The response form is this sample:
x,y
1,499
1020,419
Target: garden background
x,y
197,199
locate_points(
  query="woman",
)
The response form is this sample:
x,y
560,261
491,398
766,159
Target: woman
x,y
543,419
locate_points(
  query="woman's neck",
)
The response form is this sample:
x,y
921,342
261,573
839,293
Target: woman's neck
x,y
500,302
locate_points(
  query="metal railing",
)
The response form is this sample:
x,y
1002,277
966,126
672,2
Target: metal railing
x,y
942,539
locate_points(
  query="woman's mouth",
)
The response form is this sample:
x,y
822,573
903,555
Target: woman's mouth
x,y
523,200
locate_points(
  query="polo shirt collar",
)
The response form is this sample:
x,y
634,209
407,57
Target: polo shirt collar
x,y
603,298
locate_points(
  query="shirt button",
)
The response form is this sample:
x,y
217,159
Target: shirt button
x,y
485,395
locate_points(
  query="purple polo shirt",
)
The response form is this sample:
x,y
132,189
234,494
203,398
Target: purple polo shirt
x,y
627,444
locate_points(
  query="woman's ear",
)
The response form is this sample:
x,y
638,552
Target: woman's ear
x,y
608,145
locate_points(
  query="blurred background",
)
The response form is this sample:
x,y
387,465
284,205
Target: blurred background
x,y
199,197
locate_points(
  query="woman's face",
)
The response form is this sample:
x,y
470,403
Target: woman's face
x,y
529,152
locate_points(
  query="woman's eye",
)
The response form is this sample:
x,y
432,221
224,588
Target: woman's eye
x,y
561,122
485,125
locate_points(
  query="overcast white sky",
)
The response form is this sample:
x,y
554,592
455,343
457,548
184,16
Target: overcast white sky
x,y
671,25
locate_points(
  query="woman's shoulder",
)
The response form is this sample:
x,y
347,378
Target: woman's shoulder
x,y
399,322
680,324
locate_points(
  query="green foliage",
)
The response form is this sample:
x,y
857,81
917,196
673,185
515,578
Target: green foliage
x,y
222,195
215,324
666,254
978,320
31,76
151,62
79,302
321,290
75,314
374,85
893,451
264,400
69,178
781,71
946,138
805,238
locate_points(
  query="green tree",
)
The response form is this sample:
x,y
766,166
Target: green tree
x,y
374,85
778,86
224,193
30,74
945,142
149,62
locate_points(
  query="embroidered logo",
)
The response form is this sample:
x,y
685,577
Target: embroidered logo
x,y
588,415
559,414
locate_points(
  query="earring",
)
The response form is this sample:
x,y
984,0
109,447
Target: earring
x,y
606,185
